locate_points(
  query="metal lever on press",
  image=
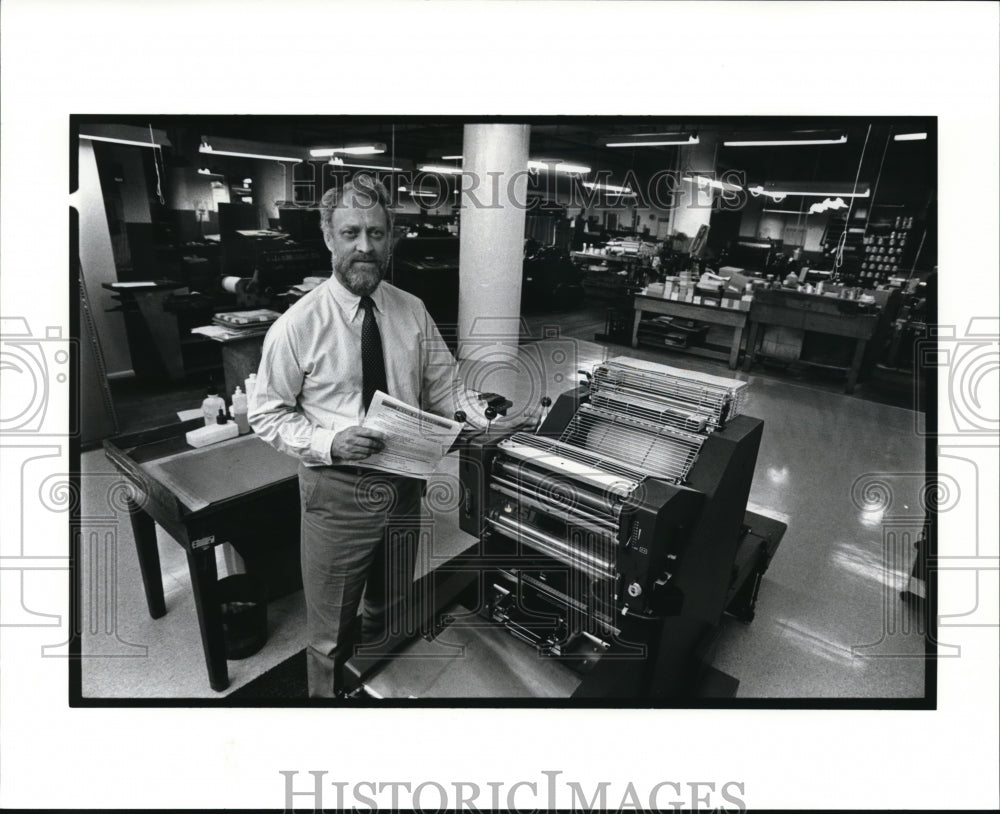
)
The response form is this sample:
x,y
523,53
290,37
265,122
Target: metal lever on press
x,y
495,405
499,404
546,402
462,418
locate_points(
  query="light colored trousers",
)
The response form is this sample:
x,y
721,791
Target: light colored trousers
x,y
360,531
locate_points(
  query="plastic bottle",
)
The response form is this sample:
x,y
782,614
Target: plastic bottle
x,y
251,386
212,404
239,411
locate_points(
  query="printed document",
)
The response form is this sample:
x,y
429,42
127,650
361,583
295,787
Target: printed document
x,y
415,441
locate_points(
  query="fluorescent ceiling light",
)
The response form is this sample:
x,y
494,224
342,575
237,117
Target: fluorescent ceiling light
x,y
558,166
132,135
451,158
355,149
210,151
910,137
778,192
245,149
440,169
789,140
609,188
418,192
336,161
651,140
787,211
371,167
702,181
120,141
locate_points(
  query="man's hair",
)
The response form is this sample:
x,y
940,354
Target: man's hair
x,y
367,190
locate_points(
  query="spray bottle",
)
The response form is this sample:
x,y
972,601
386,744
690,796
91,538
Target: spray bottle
x,y
212,404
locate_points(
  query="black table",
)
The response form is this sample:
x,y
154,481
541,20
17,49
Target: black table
x,y
239,491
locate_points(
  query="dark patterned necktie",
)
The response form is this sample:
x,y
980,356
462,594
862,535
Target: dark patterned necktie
x,y
372,360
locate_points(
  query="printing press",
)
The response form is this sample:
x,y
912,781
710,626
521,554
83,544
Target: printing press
x,y
613,539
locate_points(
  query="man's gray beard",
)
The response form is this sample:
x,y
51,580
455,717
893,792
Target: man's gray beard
x,y
358,280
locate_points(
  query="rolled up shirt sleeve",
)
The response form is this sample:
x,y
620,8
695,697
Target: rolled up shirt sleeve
x,y
273,409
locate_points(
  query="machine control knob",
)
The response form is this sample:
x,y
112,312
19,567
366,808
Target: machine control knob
x,y
635,589
460,416
546,401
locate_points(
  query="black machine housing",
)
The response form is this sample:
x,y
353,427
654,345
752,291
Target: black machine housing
x,y
642,625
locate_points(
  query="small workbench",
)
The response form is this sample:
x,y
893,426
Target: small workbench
x,y
712,314
240,491
818,314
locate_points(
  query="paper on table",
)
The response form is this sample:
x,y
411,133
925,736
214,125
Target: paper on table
x,y
415,441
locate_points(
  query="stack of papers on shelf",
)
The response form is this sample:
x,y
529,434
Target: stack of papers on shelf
x,y
238,324
241,320
218,333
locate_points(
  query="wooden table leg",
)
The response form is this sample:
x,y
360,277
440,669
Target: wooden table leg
x,y
734,353
144,532
751,345
204,577
855,369
635,327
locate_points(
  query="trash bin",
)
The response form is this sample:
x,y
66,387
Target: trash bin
x,y
244,615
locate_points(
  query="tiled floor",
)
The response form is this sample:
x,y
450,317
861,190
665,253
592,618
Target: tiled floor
x,y
829,623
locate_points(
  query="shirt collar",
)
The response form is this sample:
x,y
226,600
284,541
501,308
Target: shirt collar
x,y
349,302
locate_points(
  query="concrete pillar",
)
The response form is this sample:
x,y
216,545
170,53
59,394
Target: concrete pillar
x,y
695,207
491,247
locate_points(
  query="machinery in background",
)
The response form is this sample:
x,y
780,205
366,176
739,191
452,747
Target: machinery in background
x,y
428,268
198,276
550,280
750,255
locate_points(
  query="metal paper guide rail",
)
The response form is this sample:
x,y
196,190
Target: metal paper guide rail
x,y
686,399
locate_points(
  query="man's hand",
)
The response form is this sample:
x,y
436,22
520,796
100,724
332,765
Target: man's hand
x,y
356,443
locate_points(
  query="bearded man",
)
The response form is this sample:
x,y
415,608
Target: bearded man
x,y
322,362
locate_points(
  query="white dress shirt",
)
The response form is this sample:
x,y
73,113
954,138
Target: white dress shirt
x,y
309,383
